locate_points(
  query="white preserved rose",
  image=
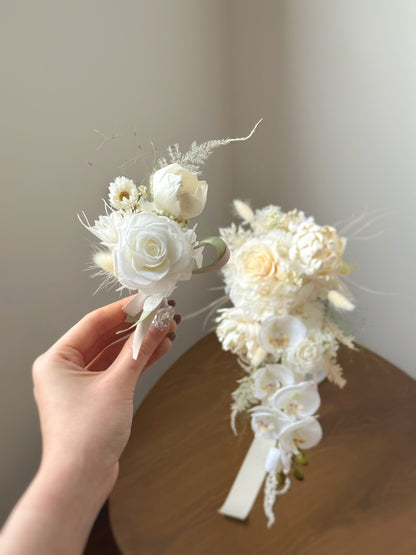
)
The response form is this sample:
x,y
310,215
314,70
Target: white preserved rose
x,y
178,191
305,357
153,254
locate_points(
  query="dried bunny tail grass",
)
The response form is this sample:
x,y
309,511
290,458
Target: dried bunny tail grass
x,y
102,267
243,210
104,259
198,154
334,371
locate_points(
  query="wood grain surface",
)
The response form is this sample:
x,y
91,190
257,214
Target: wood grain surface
x,y
358,496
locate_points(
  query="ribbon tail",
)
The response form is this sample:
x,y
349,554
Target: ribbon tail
x,y
135,305
248,482
140,332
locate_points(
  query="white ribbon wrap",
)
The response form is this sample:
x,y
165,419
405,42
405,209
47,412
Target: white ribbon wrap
x,y
248,482
132,309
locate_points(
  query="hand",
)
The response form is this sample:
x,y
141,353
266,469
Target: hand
x,y
84,386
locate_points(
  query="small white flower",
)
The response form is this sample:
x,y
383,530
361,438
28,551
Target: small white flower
x,y
270,378
266,219
178,191
123,193
298,400
106,229
279,333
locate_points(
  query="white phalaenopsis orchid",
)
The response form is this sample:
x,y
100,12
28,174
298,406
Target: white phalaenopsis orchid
x,y
267,422
270,378
300,435
297,401
279,332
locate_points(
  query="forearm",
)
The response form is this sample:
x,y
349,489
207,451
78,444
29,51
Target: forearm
x,y
56,513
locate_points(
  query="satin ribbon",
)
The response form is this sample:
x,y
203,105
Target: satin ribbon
x,y
249,479
133,308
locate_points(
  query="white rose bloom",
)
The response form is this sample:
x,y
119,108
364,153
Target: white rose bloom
x,y
279,333
106,229
153,254
305,357
178,191
123,193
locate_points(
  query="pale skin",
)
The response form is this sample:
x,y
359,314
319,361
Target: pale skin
x,y
84,389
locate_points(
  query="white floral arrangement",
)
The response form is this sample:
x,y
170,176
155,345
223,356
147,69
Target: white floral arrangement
x,y
284,278
147,244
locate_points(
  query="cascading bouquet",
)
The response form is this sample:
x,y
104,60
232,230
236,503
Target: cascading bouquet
x,y
284,280
147,244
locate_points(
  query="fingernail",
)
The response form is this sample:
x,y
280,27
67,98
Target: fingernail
x,y
171,335
177,318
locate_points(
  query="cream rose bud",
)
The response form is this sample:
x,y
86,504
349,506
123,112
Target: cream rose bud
x,y
153,254
178,191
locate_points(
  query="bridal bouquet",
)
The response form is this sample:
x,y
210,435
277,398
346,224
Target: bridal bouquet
x,y
147,243
284,280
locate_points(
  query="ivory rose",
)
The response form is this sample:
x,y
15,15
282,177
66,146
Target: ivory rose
x,y
153,254
177,191
305,357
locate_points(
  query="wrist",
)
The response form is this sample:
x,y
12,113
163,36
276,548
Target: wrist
x,y
58,509
71,478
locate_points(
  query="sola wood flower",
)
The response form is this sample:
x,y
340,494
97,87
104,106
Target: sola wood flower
x,y
284,280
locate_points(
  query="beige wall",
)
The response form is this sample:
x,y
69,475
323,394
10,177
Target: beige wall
x,y
335,82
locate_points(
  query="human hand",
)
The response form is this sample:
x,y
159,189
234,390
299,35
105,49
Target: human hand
x,y
84,386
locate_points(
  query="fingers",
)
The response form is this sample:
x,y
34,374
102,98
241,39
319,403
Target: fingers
x,y
161,351
96,330
124,365
102,361
155,345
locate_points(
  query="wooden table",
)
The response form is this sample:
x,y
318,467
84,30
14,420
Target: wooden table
x,y
358,496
